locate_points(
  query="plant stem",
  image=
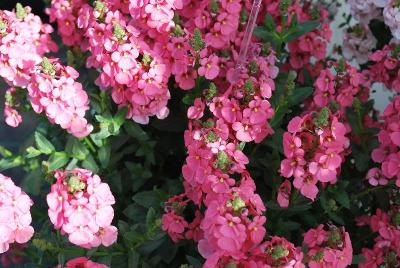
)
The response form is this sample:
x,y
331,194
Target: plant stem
x,y
89,143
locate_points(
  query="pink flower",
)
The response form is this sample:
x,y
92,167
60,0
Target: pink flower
x,y
83,262
307,186
375,177
13,118
15,216
284,194
196,111
209,67
257,230
175,225
315,237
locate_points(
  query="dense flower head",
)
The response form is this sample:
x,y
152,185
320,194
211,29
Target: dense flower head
x,y
388,153
358,43
339,86
83,262
391,16
311,47
133,64
328,248
385,252
386,68
364,10
81,206
215,170
54,91
314,148
51,86
15,216
23,41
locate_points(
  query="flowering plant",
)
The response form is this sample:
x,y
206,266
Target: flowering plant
x,y
172,133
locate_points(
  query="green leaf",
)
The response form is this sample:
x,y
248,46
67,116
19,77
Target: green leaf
x,y
76,149
353,118
133,259
361,159
104,155
265,35
299,95
134,130
43,144
269,23
301,29
135,212
32,152
147,199
343,198
357,259
151,216
33,182
196,263
90,163
7,163
58,160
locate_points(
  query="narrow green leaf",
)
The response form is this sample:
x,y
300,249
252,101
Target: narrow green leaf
x,y
58,160
43,144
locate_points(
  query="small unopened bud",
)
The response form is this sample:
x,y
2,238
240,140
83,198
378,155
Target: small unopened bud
x,y
238,204
279,252
119,32
284,6
197,41
48,67
20,11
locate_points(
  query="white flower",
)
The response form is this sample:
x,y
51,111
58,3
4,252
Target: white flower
x,y
358,43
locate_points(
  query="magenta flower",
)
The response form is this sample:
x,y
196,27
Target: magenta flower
x,y
209,67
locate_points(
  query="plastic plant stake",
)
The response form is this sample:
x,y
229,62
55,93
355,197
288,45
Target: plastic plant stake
x,y
244,47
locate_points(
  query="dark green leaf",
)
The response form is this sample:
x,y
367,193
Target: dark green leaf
x,y
90,163
269,23
58,160
357,259
299,95
104,155
147,199
43,144
133,259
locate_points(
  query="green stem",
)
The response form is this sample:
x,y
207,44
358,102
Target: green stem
x,y
89,143
371,190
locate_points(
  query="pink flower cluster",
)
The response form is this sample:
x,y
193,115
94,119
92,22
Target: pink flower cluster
x,y
55,92
15,216
358,43
51,87
308,51
340,87
388,152
312,45
328,248
231,229
156,14
23,42
386,251
386,67
314,147
131,56
83,262
80,205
